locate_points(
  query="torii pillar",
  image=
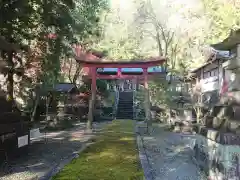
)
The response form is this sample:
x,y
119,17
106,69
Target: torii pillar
x,y
92,99
146,102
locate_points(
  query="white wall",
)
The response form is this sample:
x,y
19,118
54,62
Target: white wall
x,y
209,84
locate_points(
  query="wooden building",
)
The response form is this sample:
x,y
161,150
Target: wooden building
x,y
231,65
209,77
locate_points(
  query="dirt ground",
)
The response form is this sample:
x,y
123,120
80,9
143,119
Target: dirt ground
x,y
47,152
169,155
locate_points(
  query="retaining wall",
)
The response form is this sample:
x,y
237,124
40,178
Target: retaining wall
x,y
218,154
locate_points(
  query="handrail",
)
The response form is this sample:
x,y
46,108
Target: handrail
x,y
116,102
134,106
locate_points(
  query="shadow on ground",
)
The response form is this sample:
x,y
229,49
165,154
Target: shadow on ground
x,y
46,153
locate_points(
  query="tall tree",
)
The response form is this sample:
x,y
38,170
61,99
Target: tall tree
x,y
49,28
118,39
223,16
17,20
169,29
87,32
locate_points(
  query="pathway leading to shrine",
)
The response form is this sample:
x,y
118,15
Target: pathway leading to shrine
x,y
168,156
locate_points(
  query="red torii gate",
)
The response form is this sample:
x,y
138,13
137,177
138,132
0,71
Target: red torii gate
x,y
94,64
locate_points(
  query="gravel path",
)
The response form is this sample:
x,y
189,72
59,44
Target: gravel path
x,y
47,153
169,155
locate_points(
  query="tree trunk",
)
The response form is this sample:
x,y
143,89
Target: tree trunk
x,y
76,75
198,116
37,98
91,110
10,78
169,116
158,39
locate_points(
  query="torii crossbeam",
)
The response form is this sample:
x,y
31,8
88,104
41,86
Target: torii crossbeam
x,y
93,74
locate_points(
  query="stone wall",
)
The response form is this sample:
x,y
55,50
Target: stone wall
x,y
218,154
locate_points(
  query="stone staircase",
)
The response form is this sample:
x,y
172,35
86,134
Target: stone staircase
x,y
125,106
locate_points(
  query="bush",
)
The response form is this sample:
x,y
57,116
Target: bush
x,y
107,110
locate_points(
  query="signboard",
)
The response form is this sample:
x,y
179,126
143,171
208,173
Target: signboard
x,y
209,84
35,133
22,141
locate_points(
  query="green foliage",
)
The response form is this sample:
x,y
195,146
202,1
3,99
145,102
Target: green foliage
x,y
107,110
224,16
118,38
27,22
18,19
87,20
163,93
101,87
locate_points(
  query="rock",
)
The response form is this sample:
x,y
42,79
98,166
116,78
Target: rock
x,y
21,176
186,129
233,126
177,129
217,122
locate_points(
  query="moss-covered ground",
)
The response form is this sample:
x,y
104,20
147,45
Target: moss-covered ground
x,y
112,156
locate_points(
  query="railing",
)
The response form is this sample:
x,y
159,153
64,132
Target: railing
x,y
116,103
134,104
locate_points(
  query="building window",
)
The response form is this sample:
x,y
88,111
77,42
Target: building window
x,y
206,75
179,88
215,72
212,73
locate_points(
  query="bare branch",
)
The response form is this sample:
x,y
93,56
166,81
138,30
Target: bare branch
x,y
70,69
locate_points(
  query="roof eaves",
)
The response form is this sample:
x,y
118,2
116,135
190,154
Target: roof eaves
x,y
218,55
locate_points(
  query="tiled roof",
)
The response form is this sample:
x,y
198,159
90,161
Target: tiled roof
x,y
213,58
64,87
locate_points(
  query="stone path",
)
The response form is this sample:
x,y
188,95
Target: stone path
x,y
168,155
53,150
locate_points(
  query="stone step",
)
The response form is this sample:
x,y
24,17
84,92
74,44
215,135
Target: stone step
x,y
125,107
125,101
125,114
125,110
125,104
129,109
124,117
